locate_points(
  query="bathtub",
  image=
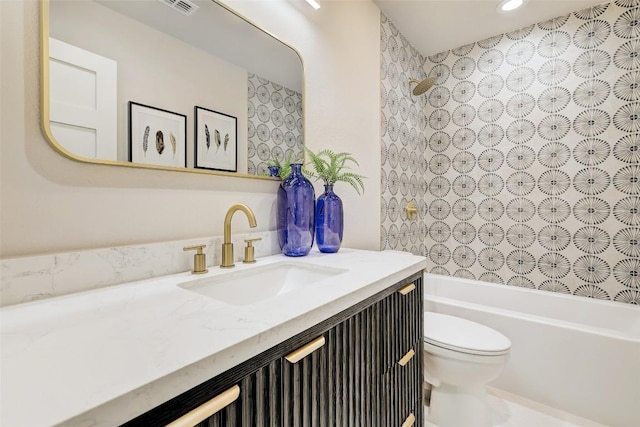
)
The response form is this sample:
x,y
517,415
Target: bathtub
x,y
575,354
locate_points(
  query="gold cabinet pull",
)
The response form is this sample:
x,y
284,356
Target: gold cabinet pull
x,y
304,351
207,409
407,289
409,421
405,359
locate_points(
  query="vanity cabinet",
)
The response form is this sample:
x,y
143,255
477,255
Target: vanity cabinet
x,y
401,355
361,367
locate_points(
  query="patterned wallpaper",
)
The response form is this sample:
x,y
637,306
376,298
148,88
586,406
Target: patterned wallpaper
x,y
274,124
403,142
533,150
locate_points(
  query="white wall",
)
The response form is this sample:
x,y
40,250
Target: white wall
x,y
51,204
340,48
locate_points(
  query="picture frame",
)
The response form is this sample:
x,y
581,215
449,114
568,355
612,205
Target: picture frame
x,y
216,140
157,136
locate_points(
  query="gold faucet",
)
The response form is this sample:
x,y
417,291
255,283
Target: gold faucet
x,y
227,246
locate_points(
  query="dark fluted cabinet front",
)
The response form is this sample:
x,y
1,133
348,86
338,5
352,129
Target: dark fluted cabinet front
x,y
259,399
401,355
338,384
362,367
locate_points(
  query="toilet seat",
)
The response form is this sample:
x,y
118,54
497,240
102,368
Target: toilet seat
x,y
463,336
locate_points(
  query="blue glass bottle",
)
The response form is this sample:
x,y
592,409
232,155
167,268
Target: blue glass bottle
x,y
329,221
295,212
274,171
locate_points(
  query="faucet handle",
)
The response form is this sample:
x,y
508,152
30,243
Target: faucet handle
x,y
249,257
199,259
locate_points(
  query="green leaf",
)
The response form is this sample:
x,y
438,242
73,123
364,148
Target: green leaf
x,y
332,167
285,167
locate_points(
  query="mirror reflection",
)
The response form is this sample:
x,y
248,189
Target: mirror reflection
x,y
171,83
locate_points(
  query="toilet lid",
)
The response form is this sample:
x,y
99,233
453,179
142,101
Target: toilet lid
x,y
462,335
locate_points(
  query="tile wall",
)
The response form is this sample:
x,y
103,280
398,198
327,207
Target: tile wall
x,y
274,124
404,165
533,157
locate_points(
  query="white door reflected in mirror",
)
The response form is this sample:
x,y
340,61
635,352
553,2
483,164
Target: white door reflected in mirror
x,y
83,88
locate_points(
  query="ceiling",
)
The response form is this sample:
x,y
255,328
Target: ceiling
x,y
212,28
433,26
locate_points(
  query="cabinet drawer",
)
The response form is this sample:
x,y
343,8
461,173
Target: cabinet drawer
x,y
336,384
402,388
401,322
227,415
259,399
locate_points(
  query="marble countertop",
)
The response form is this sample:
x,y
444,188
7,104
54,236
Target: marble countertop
x,y
102,357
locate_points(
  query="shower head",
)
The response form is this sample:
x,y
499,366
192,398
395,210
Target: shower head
x,y
423,85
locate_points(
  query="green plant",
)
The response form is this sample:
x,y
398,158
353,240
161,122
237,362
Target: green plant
x,y
284,168
332,167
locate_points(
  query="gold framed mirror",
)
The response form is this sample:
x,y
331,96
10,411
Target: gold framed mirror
x,y
176,85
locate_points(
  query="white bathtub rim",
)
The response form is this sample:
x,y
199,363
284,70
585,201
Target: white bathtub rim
x,y
630,336
568,297
604,332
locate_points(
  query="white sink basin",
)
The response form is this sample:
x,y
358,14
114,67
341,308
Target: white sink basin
x,y
256,284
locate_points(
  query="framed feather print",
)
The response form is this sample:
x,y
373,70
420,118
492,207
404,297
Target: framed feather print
x,y
156,136
216,140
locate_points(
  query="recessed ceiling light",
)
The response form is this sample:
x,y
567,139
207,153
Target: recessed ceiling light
x,y
314,4
509,5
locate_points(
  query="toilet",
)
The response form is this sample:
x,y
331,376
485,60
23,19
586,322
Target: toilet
x,y
460,358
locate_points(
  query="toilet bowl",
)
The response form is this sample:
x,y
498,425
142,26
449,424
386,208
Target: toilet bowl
x,y
460,358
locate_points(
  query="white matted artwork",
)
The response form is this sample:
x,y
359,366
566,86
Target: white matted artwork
x,y
216,141
156,136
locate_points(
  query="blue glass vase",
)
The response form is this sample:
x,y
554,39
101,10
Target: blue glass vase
x,y
274,171
295,212
329,221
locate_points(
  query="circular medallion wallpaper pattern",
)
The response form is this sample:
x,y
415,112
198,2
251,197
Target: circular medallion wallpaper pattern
x,y
527,151
274,124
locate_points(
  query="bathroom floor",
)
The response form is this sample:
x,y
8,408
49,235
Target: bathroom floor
x,y
510,410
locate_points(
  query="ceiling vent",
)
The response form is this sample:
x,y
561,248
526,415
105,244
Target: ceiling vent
x,y
183,6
